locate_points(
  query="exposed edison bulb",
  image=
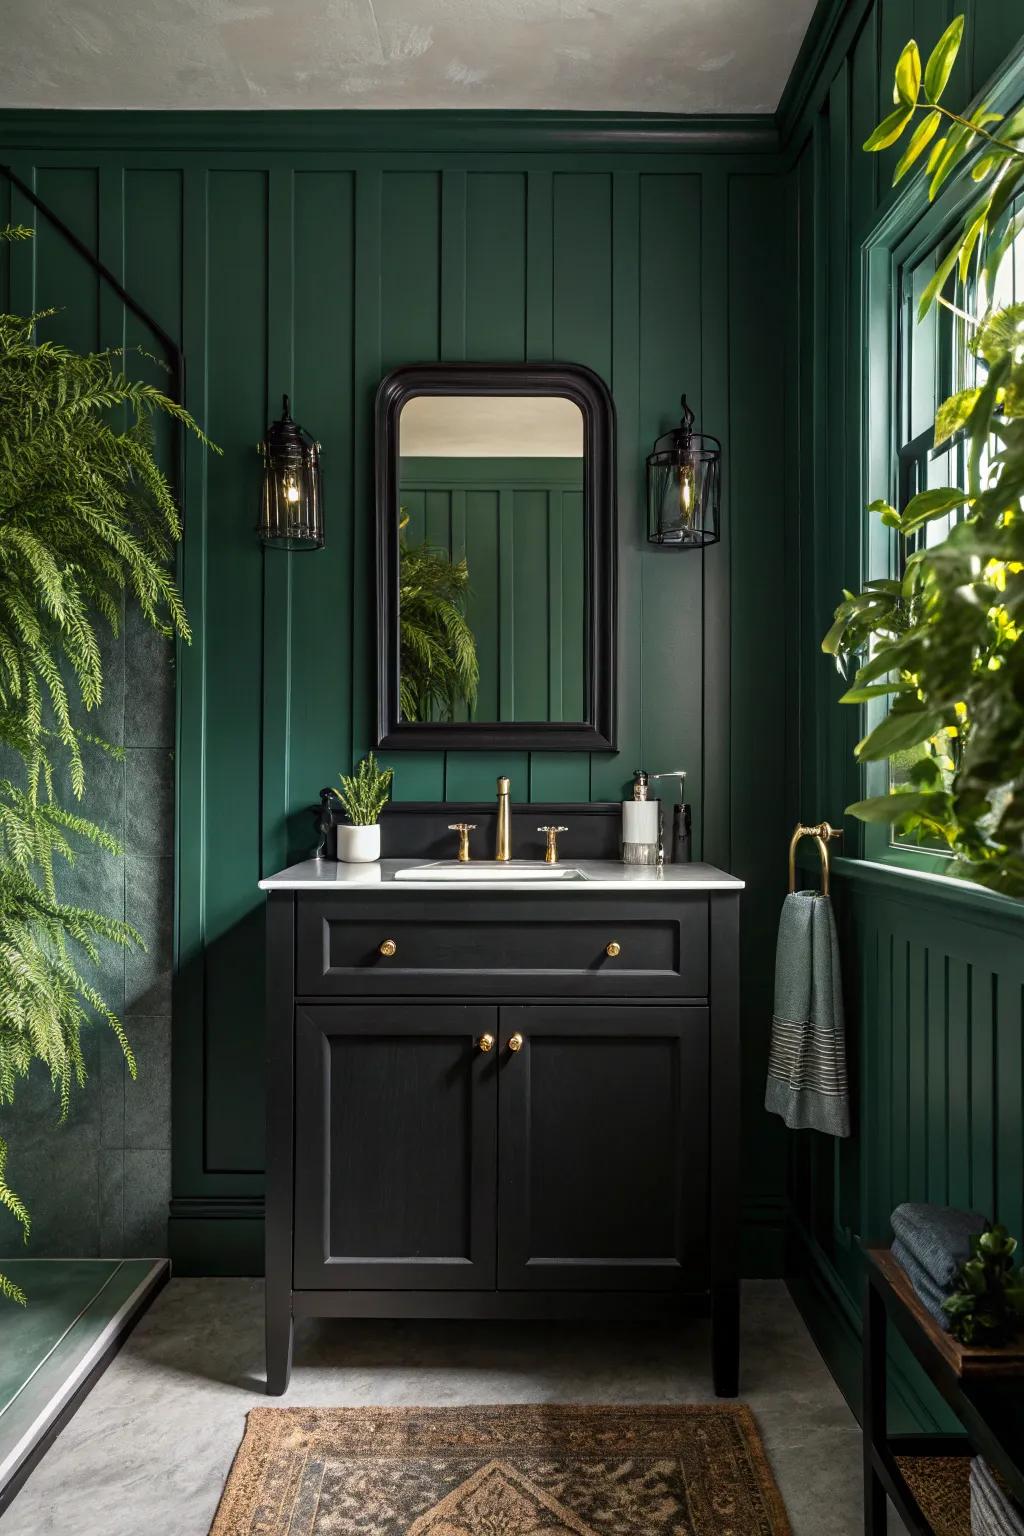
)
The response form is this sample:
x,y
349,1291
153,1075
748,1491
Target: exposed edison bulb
x,y
291,490
687,495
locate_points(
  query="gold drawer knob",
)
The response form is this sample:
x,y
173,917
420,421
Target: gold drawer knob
x,y
613,949
387,948
516,1042
485,1043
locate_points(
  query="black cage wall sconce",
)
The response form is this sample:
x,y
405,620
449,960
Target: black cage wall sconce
x,y
291,495
684,483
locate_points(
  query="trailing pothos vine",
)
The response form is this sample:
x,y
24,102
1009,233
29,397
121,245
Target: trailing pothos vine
x,y
87,519
943,647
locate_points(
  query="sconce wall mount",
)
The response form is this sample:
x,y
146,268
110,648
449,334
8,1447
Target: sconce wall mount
x,y
291,494
684,483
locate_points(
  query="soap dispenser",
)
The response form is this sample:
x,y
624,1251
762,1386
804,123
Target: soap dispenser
x,y
680,848
641,823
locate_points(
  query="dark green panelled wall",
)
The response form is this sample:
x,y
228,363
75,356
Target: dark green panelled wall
x,y
720,258
933,972
284,263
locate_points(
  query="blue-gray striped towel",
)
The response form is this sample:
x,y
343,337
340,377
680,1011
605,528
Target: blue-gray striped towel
x,y
993,1512
807,1082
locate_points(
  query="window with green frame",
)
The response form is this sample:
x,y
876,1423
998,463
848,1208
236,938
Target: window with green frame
x,y
934,362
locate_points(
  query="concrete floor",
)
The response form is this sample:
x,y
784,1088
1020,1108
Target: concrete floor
x,y
150,1448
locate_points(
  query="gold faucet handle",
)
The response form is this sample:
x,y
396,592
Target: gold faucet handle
x,y
551,853
463,828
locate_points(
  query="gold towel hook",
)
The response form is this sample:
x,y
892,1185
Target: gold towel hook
x,y
823,834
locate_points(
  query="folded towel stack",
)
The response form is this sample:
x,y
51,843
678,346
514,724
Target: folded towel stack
x,y
931,1243
993,1512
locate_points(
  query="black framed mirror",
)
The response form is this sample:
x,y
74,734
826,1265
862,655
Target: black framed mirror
x,y
495,557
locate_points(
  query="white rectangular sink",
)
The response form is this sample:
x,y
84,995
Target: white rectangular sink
x,y
487,869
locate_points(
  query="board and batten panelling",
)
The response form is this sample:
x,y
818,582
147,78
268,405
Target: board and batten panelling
x,y
314,273
932,987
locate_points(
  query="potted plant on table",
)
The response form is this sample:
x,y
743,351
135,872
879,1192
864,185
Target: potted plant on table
x,y
363,795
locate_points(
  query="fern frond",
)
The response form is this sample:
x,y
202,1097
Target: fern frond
x,y
88,520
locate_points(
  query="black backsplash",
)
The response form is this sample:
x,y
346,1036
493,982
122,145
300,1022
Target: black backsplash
x,y
418,829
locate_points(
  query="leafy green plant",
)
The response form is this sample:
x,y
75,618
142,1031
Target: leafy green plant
x,y
364,794
944,646
439,668
987,1305
87,519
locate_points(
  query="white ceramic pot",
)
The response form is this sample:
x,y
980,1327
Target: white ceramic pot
x,y
358,845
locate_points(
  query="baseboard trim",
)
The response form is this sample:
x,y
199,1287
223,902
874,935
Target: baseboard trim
x,y
216,1235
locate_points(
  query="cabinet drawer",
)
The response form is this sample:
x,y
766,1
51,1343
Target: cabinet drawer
x,y
528,944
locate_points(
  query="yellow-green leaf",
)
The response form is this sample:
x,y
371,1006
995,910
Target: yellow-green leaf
x,y
942,58
927,505
888,808
986,164
937,283
908,75
957,145
900,729
970,240
954,414
919,140
936,154
889,129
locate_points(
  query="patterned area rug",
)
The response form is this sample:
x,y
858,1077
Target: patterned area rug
x,y
536,1470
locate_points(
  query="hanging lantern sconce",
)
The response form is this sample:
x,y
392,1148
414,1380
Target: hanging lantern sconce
x,y
291,496
684,483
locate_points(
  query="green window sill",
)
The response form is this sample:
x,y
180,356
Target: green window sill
x,y
926,886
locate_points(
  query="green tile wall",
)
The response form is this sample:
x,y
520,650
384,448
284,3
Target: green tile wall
x,y
99,1184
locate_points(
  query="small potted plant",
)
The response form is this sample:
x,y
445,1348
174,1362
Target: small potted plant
x,y
363,794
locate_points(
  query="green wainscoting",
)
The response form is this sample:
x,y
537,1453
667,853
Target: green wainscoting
x,y
518,524
933,971
313,255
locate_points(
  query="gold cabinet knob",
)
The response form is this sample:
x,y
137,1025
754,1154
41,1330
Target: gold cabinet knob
x,y
387,948
485,1043
613,949
516,1042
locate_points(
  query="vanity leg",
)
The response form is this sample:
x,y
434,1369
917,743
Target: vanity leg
x,y
280,1331
725,1340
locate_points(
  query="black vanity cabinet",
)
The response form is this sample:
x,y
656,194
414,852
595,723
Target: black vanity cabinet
x,y
502,1106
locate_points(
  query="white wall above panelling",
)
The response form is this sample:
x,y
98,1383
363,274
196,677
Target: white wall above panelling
x,y
569,55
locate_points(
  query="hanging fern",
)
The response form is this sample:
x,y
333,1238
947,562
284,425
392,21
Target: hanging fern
x,y
439,668
87,518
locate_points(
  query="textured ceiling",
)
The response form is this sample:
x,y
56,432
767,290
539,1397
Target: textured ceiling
x,y
570,55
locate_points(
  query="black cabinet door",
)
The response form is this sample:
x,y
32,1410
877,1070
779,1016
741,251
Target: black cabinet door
x,y
396,1130
603,1148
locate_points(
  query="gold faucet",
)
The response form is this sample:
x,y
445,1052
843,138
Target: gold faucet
x,y
503,837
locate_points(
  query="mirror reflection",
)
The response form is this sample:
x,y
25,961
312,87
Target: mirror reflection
x,y
492,574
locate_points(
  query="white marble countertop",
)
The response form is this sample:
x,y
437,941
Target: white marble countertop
x,y
600,875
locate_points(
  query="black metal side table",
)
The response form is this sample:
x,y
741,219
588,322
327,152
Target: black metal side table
x,y
983,1387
